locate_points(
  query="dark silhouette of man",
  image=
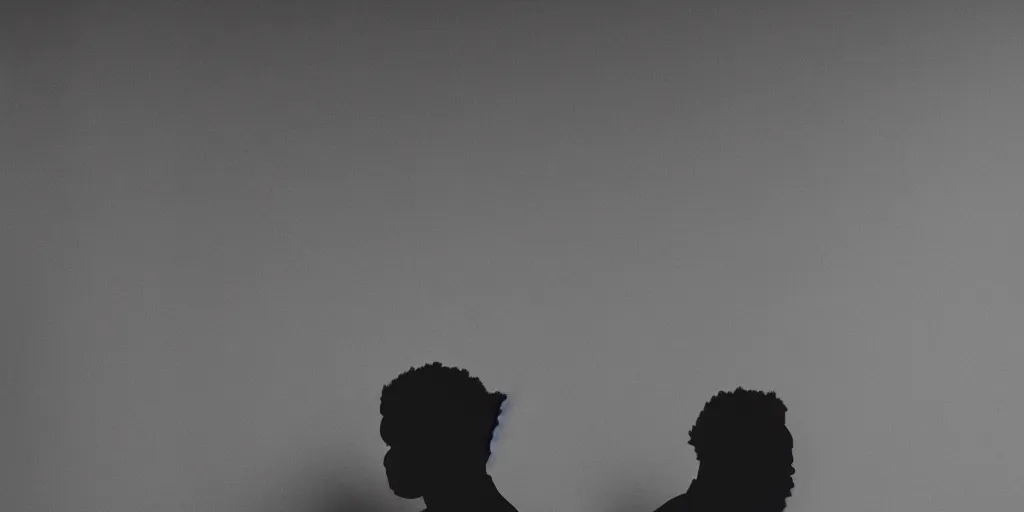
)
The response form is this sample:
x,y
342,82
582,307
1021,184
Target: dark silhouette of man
x,y
745,453
438,422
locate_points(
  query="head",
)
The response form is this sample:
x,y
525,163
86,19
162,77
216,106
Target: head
x,y
741,440
438,422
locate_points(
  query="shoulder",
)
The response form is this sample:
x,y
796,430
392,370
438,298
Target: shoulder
x,y
677,504
505,506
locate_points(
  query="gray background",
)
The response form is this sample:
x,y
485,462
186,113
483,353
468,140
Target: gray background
x,y
225,227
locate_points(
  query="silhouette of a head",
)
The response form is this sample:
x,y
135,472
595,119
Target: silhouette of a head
x,y
438,422
744,447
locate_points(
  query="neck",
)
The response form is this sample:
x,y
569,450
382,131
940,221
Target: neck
x,y
708,492
700,490
461,492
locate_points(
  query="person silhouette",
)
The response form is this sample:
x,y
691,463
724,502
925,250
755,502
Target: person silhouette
x,y
438,423
745,454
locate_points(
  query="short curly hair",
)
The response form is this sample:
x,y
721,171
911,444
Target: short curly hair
x,y
447,396
735,416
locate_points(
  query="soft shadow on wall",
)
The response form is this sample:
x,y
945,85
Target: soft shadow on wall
x,y
335,488
630,494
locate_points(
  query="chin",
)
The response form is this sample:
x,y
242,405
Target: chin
x,y
404,491
408,495
780,504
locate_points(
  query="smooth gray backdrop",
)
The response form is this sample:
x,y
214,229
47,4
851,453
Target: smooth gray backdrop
x,y
226,226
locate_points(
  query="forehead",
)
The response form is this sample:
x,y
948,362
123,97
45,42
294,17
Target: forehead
x,y
402,428
779,435
763,439
784,436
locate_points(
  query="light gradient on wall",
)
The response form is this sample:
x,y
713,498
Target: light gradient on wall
x,y
227,227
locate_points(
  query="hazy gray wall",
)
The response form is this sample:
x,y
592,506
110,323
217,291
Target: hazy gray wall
x,y
225,228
